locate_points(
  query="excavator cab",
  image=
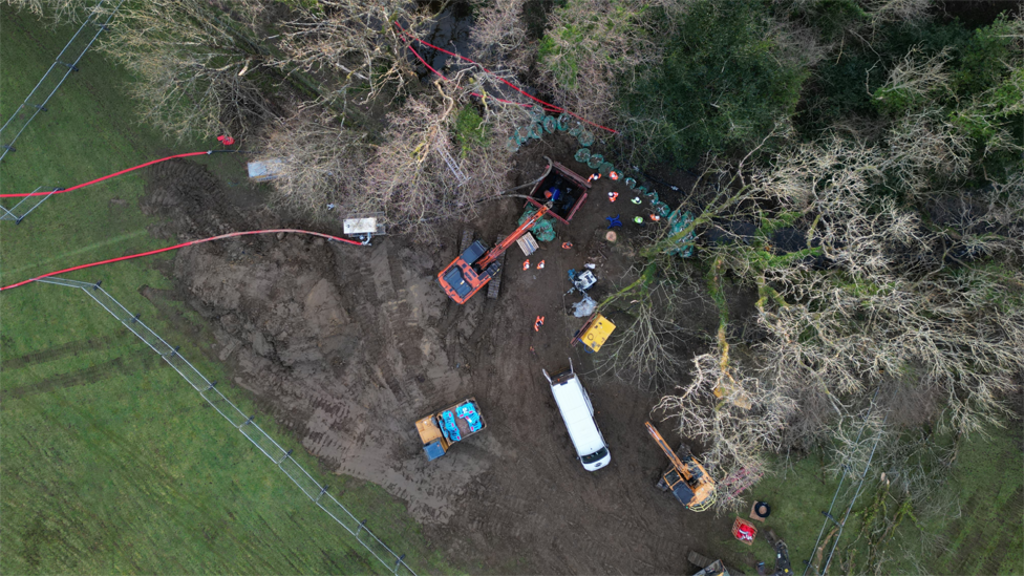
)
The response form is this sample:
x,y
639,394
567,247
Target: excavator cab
x,y
460,277
693,491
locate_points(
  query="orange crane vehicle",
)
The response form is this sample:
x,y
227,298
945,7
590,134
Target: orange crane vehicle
x,y
475,267
686,478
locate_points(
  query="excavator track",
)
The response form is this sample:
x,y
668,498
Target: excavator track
x,y
494,286
467,239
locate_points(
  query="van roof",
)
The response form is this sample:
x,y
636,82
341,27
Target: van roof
x,y
583,431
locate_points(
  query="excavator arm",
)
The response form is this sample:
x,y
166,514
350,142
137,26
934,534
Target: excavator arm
x,y
676,462
509,240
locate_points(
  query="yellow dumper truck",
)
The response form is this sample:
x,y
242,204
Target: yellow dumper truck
x,y
453,424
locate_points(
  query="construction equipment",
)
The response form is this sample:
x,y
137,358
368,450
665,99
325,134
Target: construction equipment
x,y
475,267
453,424
364,226
686,478
594,333
709,567
782,564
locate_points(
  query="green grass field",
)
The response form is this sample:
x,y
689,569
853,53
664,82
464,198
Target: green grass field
x,y
109,461
986,536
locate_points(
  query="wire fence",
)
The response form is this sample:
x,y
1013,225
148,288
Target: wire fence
x,y
829,518
16,213
317,492
65,63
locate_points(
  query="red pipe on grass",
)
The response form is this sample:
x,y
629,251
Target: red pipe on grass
x,y
176,247
107,177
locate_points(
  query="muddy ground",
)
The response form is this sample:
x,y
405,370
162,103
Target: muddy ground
x,y
348,346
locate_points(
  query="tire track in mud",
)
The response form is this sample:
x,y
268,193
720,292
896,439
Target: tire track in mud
x,y
71,348
394,310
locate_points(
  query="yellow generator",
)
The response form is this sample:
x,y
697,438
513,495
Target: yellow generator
x,y
594,333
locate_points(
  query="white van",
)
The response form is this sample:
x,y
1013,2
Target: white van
x,y
578,414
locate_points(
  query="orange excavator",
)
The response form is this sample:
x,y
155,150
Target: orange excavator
x,y
475,267
686,478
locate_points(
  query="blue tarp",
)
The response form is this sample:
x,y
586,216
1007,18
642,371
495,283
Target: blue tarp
x,y
467,413
448,427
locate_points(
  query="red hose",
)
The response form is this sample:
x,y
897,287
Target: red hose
x,y
547,106
177,246
108,176
434,70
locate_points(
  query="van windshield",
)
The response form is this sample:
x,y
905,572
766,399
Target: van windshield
x,y
591,458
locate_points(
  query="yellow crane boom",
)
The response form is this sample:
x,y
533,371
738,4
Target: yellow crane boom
x,y
676,462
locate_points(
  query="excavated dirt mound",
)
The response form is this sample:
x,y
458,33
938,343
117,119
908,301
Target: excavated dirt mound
x,y
348,346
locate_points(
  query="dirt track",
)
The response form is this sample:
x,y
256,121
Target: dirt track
x,y
348,346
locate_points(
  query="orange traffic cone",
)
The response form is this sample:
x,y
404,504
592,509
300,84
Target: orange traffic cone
x,y
526,264
540,265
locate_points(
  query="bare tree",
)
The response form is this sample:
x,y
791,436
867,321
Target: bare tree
x,y
417,174
649,352
192,61
738,417
499,35
361,40
319,162
895,310
913,82
60,10
899,10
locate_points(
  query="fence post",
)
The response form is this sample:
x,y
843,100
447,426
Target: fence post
x,y
323,490
399,562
